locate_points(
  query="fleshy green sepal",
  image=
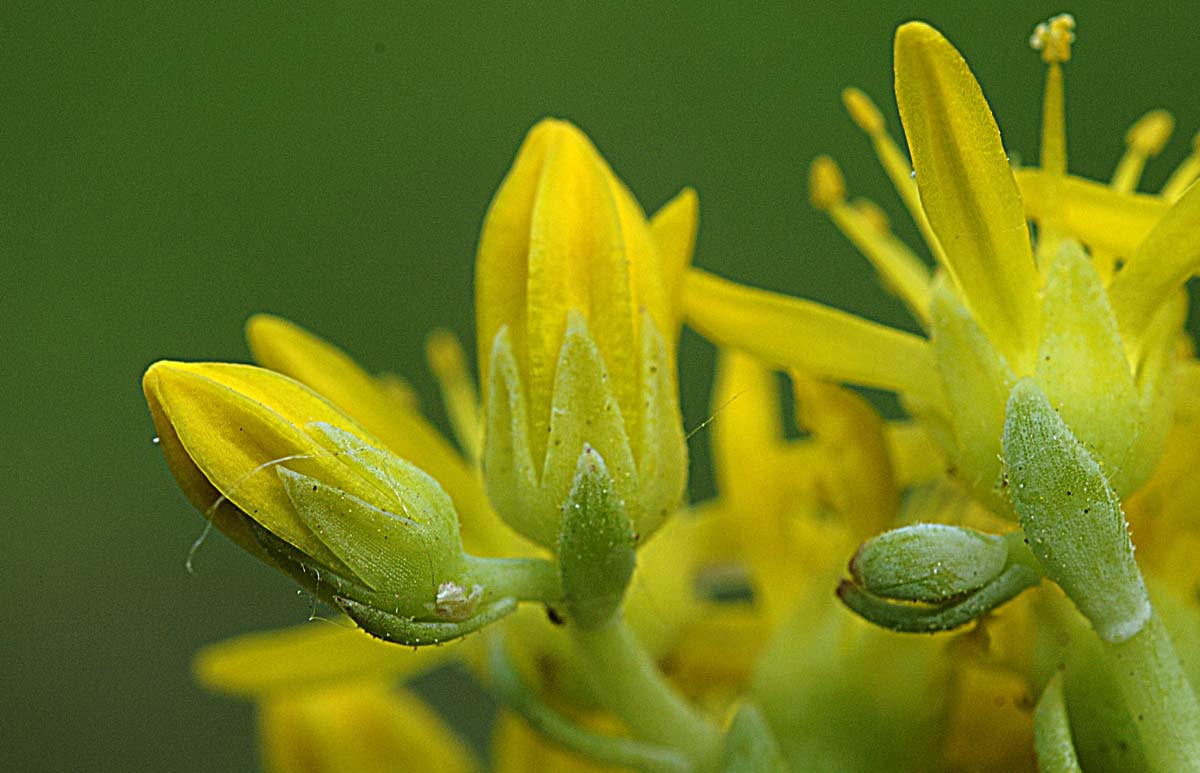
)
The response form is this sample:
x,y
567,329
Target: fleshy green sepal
x,y
595,545
1071,516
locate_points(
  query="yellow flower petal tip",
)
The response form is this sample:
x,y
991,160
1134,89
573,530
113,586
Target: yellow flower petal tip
x,y
1053,38
863,111
826,185
577,316
308,475
1149,134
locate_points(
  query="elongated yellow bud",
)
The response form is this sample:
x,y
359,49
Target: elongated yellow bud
x,y
575,317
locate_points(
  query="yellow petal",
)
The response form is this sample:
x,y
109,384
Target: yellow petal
x,y
449,364
289,349
825,342
967,188
1097,215
674,227
235,421
858,476
916,458
894,162
588,249
316,654
1164,260
357,728
747,430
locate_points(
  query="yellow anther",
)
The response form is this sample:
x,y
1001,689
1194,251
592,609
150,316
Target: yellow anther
x,y
1149,134
826,185
863,111
1053,38
872,214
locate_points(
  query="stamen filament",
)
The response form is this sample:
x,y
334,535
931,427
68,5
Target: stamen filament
x,y
1185,174
866,227
1143,141
894,162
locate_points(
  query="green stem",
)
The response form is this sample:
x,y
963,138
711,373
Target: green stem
x,y
1159,697
518,698
628,683
524,579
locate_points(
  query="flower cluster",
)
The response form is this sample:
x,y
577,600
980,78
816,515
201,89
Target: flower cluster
x,y
1052,411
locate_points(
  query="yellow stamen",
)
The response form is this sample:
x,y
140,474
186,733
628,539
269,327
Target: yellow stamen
x,y
449,365
895,163
826,185
1143,141
1054,38
1185,174
866,227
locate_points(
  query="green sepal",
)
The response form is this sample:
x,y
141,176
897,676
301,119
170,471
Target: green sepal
x,y
928,562
419,633
388,550
319,580
750,746
596,552
931,618
1071,516
1052,739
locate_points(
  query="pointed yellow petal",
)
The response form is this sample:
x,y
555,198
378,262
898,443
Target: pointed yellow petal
x,y
358,728
315,654
849,434
449,365
674,228
747,428
289,349
236,421
1163,261
1100,217
967,188
825,342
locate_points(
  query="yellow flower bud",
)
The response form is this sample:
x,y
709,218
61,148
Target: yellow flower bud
x,y
270,450
576,328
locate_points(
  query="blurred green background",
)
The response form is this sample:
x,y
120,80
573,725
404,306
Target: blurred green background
x,y
167,170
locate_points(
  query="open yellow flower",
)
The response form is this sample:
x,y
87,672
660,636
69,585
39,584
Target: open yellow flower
x,y
1102,343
